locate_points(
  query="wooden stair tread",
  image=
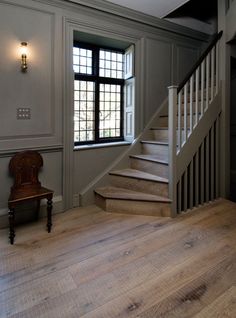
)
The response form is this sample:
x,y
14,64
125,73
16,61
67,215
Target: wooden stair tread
x,y
137,174
153,158
159,128
182,115
154,142
165,128
125,194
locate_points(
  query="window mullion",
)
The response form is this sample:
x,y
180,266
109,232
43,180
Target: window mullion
x,y
122,111
106,126
96,110
96,73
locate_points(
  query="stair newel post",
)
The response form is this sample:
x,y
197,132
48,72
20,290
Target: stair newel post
x,y
172,128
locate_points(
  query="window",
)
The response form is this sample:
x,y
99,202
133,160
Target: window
x,y
98,94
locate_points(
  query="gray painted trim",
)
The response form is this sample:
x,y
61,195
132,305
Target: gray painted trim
x,y
45,149
68,158
104,145
128,14
68,134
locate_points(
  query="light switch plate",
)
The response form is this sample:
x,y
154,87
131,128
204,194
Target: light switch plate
x,y
23,113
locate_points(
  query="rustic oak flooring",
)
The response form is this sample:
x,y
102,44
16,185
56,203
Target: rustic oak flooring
x,y
96,264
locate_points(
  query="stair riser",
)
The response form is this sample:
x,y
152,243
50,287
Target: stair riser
x,y
160,135
164,135
155,168
163,121
133,207
145,186
153,149
194,96
194,107
188,109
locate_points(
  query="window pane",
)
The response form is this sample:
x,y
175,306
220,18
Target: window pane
x,y
75,51
82,61
111,64
109,119
84,110
87,89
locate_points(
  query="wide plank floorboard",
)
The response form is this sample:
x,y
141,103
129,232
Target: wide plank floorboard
x,y
96,264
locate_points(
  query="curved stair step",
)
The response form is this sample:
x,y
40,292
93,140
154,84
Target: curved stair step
x,y
140,181
154,164
137,174
119,200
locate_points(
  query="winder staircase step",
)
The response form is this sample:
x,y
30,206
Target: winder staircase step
x,y
114,199
154,164
137,174
140,181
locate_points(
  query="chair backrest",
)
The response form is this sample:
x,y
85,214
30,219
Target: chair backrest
x,y
24,166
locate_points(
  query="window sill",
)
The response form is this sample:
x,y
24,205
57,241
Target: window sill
x,y
103,145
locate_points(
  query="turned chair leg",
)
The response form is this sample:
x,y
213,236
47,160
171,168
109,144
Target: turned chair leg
x,y
49,215
11,218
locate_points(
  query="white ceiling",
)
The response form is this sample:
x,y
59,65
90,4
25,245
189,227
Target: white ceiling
x,y
157,8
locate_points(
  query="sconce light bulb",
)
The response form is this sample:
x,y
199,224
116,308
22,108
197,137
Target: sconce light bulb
x,y
23,48
23,57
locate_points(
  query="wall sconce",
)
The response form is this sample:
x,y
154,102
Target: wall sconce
x,y
23,51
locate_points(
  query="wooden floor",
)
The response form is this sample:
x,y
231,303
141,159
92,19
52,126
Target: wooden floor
x,y
100,265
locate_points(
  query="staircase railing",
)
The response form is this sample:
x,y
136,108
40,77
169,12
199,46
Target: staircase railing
x,y
194,133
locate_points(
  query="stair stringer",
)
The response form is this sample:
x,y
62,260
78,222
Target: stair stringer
x,y
87,194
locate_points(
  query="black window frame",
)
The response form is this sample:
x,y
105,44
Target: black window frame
x,y
94,77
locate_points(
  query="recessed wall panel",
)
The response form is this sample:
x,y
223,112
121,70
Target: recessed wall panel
x,y
33,89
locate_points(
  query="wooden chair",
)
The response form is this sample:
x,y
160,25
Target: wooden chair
x,y
24,166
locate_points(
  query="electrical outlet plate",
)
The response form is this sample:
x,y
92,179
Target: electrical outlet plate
x,y
23,113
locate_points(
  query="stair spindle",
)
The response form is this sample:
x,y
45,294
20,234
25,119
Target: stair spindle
x,y
172,146
202,86
191,104
197,97
207,80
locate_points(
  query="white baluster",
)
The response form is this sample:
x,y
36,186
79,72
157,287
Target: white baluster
x,y
191,104
202,86
197,97
212,73
185,112
172,146
207,80
179,120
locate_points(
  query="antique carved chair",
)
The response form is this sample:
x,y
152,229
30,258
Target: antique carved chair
x,y
24,166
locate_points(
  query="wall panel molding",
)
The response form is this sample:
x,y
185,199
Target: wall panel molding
x,y
43,128
49,149
186,55
127,14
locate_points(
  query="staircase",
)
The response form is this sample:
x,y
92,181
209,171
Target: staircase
x,y
177,167
143,187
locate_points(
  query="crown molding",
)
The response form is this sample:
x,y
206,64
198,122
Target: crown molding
x,y
128,14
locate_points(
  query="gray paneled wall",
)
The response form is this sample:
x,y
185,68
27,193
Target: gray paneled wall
x,y
162,57
233,136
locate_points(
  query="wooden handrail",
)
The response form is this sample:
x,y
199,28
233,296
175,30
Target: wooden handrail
x,y
198,63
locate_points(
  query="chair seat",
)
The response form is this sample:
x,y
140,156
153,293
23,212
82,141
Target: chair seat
x,y
30,194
